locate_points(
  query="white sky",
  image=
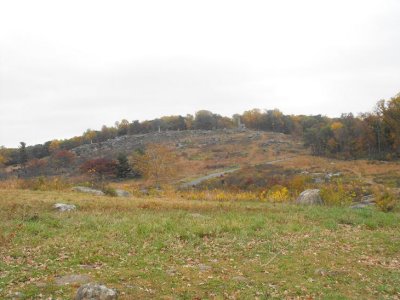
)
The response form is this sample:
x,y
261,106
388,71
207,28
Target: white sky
x,y
66,66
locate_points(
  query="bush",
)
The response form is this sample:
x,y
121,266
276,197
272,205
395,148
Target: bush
x,y
99,167
109,191
385,201
276,194
337,194
219,195
43,184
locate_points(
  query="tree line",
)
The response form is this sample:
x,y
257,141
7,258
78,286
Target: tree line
x,y
372,135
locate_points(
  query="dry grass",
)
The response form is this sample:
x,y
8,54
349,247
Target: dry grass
x,y
168,248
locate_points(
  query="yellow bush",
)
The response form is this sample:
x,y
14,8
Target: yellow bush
x,y
385,201
43,184
337,194
219,195
276,194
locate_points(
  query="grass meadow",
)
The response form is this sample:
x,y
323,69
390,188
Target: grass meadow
x,y
174,248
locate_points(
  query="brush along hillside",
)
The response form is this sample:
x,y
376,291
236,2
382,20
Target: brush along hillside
x,y
196,152
211,164
206,215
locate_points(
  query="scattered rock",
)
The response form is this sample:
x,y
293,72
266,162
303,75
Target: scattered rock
x,y
17,295
325,272
145,192
93,291
122,193
204,268
366,201
319,180
329,176
171,271
64,207
41,284
310,197
87,190
196,215
239,278
72,279
361,205
321,272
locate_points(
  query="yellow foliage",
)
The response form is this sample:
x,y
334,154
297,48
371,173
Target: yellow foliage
x,y
385,201
276,194
43,184
336,126
219,195
54,146
337,194
158,163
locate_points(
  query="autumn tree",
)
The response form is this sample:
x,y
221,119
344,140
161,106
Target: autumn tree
x,y
36,167
205,119
63,158
391,118
54,146
99,168
3,156
122,127
157,163
89,135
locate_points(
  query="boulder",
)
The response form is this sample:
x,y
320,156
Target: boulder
x,y
72,279
17,295
87,190
310,197
366,201
93,291
122,193
64,207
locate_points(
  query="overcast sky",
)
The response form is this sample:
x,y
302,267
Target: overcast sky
x,y
66,66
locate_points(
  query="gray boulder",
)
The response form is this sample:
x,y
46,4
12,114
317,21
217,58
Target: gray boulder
x,y
72,279
122,193
93,291
87,190
366,201
64,207
310,197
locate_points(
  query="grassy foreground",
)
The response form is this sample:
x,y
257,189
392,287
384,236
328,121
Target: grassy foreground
x,y
181,249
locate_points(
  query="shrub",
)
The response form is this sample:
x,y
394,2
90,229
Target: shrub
x,y
277,193
385,201
109,191
43,184
99,167
219,195
337,194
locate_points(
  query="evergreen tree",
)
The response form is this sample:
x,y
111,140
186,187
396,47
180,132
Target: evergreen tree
x,y
123,167
23,156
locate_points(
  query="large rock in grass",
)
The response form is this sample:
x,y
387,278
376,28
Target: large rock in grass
x,y
93,291
64,207
72,279
122,193
310,197
366,201
87,190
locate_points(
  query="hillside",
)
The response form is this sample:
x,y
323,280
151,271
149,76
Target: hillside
x,y
198,151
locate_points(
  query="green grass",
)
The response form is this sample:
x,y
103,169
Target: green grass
x,y
180,249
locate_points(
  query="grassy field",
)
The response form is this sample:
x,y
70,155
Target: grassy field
x,y
181,249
